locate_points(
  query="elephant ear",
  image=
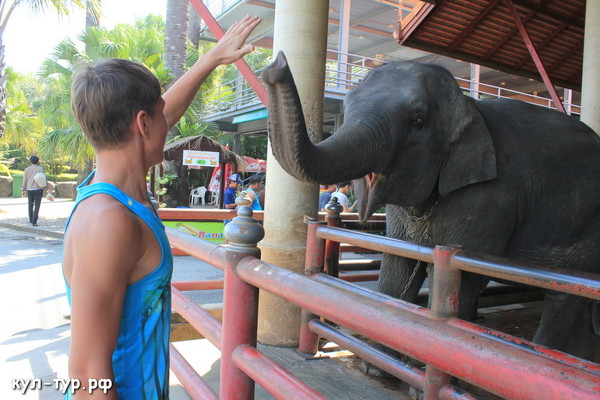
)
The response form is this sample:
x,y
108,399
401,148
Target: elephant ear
x,y
471,157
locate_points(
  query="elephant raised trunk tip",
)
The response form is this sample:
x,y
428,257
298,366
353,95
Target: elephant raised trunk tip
x,y
277,71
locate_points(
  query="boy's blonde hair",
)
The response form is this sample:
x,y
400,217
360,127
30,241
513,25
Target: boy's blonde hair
x,y
106,97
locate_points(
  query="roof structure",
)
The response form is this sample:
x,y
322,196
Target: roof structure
x,y
174,150
484,32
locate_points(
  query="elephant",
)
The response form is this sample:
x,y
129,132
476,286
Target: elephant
x,y
499,177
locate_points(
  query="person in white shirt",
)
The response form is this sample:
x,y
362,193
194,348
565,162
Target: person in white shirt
x,y
342,196
33,189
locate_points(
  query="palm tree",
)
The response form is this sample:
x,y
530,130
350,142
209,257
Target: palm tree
x,y
61,6
176,25
23,126
141,43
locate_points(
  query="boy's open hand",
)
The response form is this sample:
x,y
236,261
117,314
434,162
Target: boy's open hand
x,y
232,45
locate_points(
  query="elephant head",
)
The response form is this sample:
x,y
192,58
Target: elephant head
x,y
407,128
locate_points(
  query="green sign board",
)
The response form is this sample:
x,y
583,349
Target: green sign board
x,y
211,231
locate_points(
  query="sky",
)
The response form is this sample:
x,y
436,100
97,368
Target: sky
x,y
29,39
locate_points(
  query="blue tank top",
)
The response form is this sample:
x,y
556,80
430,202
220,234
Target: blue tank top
x,y
141,358
256,203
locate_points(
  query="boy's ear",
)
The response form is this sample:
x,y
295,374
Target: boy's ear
x,y
140,123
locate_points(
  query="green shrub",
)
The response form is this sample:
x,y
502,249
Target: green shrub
x,y
4,171
61,177
13,153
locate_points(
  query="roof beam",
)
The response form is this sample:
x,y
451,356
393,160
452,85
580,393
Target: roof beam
x,y
461,38
542,10
534,54
241,64
547,40
507,37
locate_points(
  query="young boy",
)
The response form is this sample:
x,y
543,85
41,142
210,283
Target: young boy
x,y
117,259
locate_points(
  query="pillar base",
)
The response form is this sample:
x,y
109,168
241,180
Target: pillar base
x,y
279,320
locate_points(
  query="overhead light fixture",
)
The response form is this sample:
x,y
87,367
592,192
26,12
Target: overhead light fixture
x,y
361,36
331,10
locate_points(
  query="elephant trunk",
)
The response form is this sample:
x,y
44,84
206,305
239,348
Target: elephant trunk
x,y
346,155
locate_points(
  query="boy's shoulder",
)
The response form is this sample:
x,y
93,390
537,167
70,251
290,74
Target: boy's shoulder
x,y
103,214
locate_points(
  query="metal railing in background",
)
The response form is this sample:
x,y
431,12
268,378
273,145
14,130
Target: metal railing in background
x,y
447,353
341,77
219,7
499,363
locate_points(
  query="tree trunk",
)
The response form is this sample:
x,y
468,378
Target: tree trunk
x,y
91,19
175,37
194,27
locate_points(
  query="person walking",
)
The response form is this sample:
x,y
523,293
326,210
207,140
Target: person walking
x,y
34,188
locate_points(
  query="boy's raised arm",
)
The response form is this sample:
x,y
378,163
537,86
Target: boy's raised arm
x,y
229,49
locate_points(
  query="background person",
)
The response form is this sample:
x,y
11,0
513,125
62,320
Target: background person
x,y
252,192
117,258
231,192
33,189
325,197
342,196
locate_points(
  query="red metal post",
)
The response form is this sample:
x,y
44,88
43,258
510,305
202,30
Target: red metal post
x,y
308,342
332,248
502,367
200,319
359,277
193,383
445,290
271,376
244,68
198,285
536,58
201,249
240,304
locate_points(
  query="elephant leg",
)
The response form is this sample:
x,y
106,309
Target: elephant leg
x,y
401,277
471,286
566,325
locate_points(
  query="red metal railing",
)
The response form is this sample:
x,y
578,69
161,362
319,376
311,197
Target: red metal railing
x,y
501,364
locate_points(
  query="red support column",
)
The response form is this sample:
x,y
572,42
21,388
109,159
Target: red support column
x,y
308,342
534,54
240,304
332,248
445,290
244,68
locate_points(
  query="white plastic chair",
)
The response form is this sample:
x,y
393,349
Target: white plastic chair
x,y
197,195
214,198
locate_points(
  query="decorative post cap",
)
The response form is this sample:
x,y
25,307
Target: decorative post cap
x,y
333,208
244,232
243,199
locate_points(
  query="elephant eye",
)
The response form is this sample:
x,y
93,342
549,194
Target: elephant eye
x,y
419,121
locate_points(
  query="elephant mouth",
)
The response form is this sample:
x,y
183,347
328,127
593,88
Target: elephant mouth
x,y
371,178
371,195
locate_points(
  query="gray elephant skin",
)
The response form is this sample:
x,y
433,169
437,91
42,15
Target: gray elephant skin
x,y
499,177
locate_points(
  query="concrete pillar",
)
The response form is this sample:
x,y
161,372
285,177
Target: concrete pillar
x,y
475,79
590,102
301,33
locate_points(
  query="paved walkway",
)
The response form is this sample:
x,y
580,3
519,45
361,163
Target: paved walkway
x,y
52,219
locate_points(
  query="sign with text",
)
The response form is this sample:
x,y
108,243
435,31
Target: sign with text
x,y
197,159
211,231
